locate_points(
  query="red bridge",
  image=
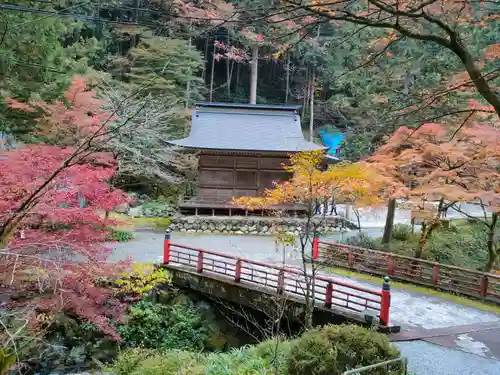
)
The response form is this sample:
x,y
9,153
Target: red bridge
x,y
332,296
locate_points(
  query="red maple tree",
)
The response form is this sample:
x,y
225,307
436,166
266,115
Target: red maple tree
x,y
51,203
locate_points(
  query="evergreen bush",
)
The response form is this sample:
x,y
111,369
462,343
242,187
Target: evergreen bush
x,y
158,326
333,349
362,240
402,232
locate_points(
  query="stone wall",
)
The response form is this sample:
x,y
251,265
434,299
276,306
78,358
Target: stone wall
x,y
252,224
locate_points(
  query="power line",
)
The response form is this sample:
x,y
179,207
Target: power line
x,y
83,17
71,15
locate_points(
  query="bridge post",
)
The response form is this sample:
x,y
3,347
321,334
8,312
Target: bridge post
x,y
166,247
385,302
237,271
328,295
484,286
435,273
199,264
390,265
315,249
350,259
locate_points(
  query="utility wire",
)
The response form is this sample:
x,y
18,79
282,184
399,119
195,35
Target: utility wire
x,y
83,17
71,15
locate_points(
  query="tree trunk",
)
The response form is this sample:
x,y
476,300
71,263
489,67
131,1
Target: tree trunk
x,y
237,75
492,252
212,74
306,95
389,223
254,74
188,83
306,239
205,62
358,220
228,71
287,86
425,235
311,109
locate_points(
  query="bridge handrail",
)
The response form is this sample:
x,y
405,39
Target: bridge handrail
x,y
278,268
359,370
385,254
436,275
334,292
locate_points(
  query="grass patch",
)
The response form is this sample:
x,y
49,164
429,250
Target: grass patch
x,y
119,235
131,223
419,289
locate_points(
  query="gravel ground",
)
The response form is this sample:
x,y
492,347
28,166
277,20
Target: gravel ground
x,y
429,359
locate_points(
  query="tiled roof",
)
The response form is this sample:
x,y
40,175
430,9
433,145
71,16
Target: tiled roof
x,y
246,127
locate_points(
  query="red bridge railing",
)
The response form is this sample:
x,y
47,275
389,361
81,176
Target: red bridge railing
x,y
328,292
463,281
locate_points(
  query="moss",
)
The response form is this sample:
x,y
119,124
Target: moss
x,y
414,288
217,342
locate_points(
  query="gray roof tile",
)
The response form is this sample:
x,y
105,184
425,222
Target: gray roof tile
x,y
246,129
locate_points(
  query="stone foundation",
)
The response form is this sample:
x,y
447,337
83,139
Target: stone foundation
x,y
254,225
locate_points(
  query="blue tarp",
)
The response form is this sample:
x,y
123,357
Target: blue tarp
x,y
332,141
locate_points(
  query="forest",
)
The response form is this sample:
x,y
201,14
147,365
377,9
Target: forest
x,y
91,91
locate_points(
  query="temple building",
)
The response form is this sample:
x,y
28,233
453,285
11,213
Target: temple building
x,y
241,151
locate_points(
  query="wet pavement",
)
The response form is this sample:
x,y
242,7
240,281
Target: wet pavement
x,y
425,358
415,312
483,343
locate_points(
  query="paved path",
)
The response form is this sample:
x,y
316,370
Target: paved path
x,y
428,359
413,311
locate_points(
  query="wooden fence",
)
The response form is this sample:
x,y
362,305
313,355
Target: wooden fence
x,y
480,285
329,293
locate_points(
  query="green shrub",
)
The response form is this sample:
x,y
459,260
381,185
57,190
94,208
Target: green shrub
x,y
150,362
463,246
362,240
402,232
326,351
331,350
158,209
119,235
158,326
264,359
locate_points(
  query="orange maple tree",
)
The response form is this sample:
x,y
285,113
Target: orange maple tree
x,y
310,184
437,163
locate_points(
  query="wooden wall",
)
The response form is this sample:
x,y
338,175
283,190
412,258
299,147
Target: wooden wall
x,y
225,176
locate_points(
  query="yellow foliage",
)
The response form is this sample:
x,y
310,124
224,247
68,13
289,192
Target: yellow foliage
x,y
142,279
345,182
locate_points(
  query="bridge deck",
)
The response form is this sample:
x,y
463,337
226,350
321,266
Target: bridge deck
x,y
340,297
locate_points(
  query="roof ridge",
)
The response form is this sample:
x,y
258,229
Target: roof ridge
x,y
233,112
249,106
